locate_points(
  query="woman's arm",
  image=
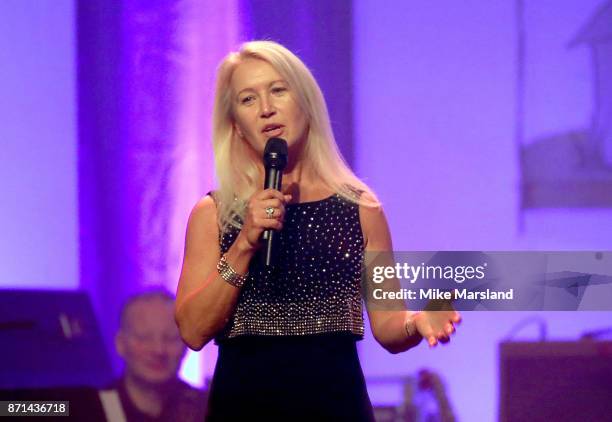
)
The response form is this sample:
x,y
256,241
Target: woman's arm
x,y
398,330
205,302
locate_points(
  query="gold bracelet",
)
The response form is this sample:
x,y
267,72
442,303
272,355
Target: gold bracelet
x,y
229,274
410,325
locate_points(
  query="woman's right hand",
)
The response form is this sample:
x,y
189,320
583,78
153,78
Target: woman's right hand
x,y
257,219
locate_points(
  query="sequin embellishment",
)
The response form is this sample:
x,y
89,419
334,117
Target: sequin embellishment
x,y
316,287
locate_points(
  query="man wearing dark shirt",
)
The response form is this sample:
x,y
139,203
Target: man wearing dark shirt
x,y
149,343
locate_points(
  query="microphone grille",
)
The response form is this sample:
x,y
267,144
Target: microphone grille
x,y
275,154
276,146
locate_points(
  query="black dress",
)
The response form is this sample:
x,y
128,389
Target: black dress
x,y
289,351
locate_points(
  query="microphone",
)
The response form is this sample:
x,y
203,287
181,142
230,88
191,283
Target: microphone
x,y
275,160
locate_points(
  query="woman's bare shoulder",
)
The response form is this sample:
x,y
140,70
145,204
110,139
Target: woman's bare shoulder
x,y
204,212
374,226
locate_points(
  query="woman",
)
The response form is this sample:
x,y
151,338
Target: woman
x,y
286,334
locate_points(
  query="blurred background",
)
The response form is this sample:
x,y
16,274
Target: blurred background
x,y
481,125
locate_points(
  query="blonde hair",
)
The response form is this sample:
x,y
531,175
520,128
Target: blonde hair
x,y
238,173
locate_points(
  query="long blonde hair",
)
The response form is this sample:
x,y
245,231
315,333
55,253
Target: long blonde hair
x,y
237,172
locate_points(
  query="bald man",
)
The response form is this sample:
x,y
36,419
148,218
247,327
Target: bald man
x,y
151,347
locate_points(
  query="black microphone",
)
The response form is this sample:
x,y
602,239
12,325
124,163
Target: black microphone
x,y
275,160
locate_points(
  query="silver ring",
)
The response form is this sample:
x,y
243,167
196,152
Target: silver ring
x,y
270,212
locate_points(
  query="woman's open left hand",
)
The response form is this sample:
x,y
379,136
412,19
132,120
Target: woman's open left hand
x,y
436,326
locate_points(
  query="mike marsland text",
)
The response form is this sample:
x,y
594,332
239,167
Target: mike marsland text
x,y
438,294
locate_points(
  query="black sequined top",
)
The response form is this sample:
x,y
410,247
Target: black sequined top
x,y
315,286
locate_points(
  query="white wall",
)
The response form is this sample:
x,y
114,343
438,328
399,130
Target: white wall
x,y
434,112
38,167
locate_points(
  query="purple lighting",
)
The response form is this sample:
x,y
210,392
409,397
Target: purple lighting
x,y
146,78
38,175
105,144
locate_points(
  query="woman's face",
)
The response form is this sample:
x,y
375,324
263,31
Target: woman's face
x,y
264,106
